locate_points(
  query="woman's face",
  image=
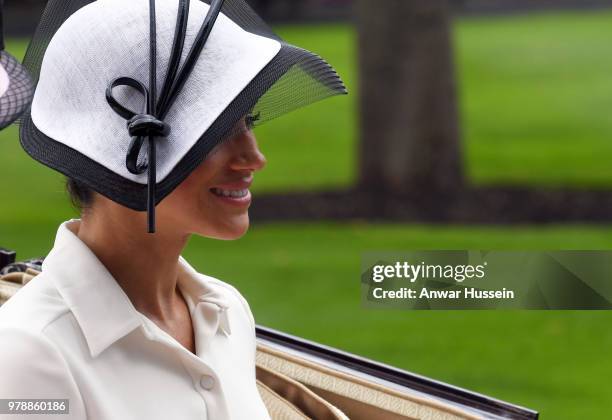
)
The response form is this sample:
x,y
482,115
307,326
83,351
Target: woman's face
x,y
213,201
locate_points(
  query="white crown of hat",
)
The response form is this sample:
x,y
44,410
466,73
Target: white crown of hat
x,y
110,38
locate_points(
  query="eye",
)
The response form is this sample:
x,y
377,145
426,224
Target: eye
x,y
250,120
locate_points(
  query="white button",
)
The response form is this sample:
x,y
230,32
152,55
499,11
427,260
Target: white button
x,y
207,382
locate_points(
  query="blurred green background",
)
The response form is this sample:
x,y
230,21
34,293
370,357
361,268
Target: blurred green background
x,y
535,101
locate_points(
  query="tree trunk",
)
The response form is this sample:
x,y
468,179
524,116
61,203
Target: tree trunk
x,y
408,125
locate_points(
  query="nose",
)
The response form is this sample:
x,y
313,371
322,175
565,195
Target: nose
x,y
246,153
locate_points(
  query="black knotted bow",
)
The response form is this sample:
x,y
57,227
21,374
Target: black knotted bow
x,y
140,126
149,124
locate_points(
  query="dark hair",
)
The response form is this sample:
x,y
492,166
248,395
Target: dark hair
x,y
80,194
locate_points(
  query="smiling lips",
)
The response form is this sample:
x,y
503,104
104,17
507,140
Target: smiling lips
x,y
236,193
230,193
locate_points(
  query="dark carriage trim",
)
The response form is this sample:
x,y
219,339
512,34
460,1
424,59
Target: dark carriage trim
x,y
403,378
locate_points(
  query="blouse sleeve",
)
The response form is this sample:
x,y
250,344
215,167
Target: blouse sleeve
x,y
32,367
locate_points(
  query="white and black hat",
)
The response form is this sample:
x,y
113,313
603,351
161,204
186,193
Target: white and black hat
x,y
213,63
16,88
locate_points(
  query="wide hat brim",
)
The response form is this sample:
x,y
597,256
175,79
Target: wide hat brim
x,y
131,194
293,77
16,89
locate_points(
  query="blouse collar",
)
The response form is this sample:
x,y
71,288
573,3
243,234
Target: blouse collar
x,y
103,310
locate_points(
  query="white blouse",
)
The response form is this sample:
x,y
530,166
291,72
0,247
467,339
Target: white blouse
x,y
72,333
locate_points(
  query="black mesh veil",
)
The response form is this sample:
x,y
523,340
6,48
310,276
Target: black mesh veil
x,y
293,78
17,96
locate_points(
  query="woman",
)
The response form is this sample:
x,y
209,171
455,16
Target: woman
x,y
66,334
118,325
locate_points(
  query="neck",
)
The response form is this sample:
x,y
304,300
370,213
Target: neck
x,y
144,265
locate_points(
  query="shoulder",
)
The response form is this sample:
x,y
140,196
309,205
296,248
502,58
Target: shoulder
x,y
232,293
35,327
228,291
34,307
26,318
33,367
25,350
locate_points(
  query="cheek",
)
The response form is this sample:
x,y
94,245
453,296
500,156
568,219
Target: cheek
x,y
199,180
193,195
188,198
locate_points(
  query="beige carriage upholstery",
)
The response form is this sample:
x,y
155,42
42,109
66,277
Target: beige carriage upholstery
x,y
10,283
354,396
296,387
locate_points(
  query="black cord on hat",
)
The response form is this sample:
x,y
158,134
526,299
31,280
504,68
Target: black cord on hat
x,y
149,123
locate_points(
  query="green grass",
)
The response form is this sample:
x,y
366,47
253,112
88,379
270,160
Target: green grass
x,y
535,94
535,110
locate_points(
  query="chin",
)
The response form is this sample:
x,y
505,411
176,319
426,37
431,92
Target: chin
x,y
227,230
236,233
